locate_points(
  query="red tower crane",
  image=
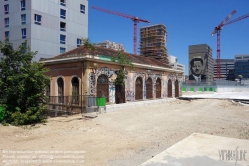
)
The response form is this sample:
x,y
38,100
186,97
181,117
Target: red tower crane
x,y
133,18
217,30
237,19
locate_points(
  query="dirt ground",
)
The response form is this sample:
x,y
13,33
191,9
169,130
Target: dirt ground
x,y
128,136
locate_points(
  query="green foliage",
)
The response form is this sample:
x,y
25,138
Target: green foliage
x,y
22,84
120,78
86,42
122,59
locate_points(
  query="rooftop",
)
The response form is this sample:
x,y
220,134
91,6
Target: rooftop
x,y
100,51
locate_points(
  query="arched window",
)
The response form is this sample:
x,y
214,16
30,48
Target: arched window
x,y
139,89
149,89
103,87
158,88
60,84
75,90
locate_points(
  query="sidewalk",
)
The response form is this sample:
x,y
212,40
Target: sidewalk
x,y
205,150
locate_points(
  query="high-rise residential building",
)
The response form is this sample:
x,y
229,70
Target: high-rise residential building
x,y
153,42
201,63
111,45
50,27
242,66
227,70
173,62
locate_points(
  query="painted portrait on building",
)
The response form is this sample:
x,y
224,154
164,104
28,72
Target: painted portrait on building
x,y
197,69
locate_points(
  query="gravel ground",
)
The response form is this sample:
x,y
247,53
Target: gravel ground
x,y
129,136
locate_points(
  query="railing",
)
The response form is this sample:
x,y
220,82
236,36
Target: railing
x,y
69,105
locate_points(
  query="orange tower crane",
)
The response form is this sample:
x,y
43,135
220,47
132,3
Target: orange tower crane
x,y
133,18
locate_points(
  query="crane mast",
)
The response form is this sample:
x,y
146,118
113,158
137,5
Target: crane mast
x,y
217,31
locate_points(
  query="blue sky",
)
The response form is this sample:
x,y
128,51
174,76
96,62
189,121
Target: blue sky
x,y
188,22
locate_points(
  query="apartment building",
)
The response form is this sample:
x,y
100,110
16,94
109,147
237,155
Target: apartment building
x,y
153,42
241,65
50,27
173,62
111,45
227,70
201,63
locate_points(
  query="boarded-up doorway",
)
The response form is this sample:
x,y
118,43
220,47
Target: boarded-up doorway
x,y
176,88
139,89
158,88
119,94
149,88
103,87
169,88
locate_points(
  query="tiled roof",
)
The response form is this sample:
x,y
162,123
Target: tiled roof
x,y
81,51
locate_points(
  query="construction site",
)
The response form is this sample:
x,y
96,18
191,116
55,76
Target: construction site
x,y
153,42
154,119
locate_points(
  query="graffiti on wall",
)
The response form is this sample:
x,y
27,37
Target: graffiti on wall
x,y
112,92
130,85
111,74
130,95
129,88
91,83
105,70
154,79
142,75
145,88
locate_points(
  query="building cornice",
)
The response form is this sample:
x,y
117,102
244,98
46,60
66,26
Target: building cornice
x,y
98,59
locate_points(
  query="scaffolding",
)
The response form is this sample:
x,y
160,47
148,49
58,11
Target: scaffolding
x,y
153,42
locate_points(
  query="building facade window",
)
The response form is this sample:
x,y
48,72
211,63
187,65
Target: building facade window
x,y
62,50
63,2
63,14
63,39
6,35
6,9
38,19
23,5
6,22
82,8
62,26
23,19
24,33
79,41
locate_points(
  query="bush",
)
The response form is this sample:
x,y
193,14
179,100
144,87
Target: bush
x,y
22,85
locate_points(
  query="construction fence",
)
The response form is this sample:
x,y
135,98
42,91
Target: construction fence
x,y
217,86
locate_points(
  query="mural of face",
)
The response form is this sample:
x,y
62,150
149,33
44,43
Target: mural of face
x,y
196,66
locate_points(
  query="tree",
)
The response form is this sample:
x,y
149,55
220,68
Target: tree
x,y
123,60
86,42
22,84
